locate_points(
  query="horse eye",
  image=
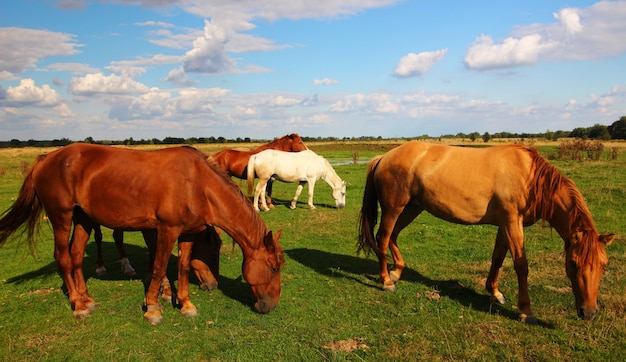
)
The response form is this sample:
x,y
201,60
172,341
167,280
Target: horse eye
x,y
275,270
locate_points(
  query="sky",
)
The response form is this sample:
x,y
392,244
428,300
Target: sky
x,y
116,69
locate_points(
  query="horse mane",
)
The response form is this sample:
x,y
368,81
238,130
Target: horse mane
x,y
547,182
229,182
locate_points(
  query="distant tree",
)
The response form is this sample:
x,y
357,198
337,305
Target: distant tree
x,y
89,140
617,130
473,136
486,137
15,143
599,132
580,132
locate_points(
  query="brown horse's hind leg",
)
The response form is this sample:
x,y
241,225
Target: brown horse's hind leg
x,y
205,258
97,235
118,238
406,217
499,253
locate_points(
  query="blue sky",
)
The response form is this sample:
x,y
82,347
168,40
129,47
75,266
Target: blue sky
x,y
117,69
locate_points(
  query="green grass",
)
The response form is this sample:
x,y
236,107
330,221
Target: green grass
x,y
330,295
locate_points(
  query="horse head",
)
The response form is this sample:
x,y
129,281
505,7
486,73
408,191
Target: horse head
x,y
297,144
585,262
261,269
339,194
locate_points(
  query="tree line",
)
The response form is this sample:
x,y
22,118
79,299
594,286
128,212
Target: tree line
x,y
616,131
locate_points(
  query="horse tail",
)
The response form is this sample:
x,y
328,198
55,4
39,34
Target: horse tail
x,y
369,212
26,209
250,173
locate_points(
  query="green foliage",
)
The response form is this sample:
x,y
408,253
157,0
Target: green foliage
x,y
332,306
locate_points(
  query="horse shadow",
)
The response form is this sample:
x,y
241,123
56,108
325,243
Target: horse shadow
x,y
303,204
235,289
356,268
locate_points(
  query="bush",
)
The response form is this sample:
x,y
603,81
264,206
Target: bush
x,y
576,150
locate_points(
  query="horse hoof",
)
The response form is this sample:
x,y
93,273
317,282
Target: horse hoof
x,y
166,298
208,286
271,206
153,319
93,306
389,288
100,271
80,314
528,319
192,313
499,299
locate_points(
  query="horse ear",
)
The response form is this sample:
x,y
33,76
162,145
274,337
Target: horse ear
x,y
607,239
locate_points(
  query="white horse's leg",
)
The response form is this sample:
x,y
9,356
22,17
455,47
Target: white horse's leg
x,y
260,189
311,189
298,191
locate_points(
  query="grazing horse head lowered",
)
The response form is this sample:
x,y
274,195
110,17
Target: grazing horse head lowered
x,y
507,186
175,193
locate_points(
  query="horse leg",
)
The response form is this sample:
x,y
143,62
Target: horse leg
x,y
268,192
406,217
295,197
383,236
127,269
164,245
499,253
150,237
260,190
515,235
205,258
82,228
187,308
311,191
97,235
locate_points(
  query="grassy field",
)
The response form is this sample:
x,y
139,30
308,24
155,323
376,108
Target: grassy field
x,y
332,306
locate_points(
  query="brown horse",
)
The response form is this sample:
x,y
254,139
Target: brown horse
x,y
175,193
235,162
507,186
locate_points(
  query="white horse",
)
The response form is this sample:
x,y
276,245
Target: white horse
x,y
301,167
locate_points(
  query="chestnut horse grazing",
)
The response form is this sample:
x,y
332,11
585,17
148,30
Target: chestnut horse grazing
x,y
174,193
301,167
235,162
507,186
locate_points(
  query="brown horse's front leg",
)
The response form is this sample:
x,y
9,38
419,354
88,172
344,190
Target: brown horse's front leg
x,y
184,256
514,234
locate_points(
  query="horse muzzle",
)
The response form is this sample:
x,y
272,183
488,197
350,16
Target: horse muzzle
x,y
263,306
586,314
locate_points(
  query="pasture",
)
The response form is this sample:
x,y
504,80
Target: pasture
x,y
332,306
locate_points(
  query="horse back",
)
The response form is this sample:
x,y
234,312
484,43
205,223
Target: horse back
x,y
458,184
124,188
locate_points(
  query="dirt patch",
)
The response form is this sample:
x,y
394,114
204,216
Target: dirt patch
x,y
347,345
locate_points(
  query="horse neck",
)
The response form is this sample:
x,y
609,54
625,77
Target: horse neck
x,y
331,177
571,213
239,220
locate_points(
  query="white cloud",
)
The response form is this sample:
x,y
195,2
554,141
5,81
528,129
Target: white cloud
x,y
273,10
23,48
325,81
27,93
74,68
369,103
99,83
417,64
484,54
590,33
